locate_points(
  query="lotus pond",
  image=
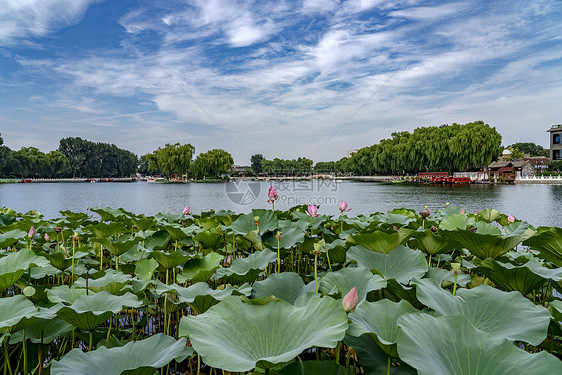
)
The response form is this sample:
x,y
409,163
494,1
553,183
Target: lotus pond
x,y
279,292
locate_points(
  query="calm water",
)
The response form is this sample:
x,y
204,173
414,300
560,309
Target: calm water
x,y
537,204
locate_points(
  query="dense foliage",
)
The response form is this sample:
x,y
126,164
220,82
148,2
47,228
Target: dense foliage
x,y
281,167
437,148
531,148
443,292
170,159
211,164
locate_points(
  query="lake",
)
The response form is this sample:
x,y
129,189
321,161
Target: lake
x,y
537,204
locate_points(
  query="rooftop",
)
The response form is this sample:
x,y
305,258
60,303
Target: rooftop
x,y
555,128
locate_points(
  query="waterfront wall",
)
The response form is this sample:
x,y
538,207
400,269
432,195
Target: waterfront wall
x,y
539,180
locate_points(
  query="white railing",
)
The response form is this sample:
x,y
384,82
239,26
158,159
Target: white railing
x,y
538,178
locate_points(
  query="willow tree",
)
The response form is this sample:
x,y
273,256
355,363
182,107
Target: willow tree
x,y
174,158
212,164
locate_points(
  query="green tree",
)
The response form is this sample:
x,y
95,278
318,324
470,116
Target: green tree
x,y
555,166
530,148
174,158
212,164
256,163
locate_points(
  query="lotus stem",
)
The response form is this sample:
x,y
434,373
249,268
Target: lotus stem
x,y
24,348
90,343
337,355
278,256
198,364
328,256
388,367
73,252
315,272
455,286
7,359
40,365
108,333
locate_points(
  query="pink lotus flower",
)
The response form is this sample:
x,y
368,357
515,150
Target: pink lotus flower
x,y
312,210
47,238
32,232
272,195
343,207
510,218
462,211
186,210
350,300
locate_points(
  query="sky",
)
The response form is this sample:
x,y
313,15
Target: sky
x,y
287,79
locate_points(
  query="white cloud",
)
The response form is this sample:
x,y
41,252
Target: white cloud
x,y
428,13
36,18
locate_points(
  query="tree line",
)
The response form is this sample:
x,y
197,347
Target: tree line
x,y
75,157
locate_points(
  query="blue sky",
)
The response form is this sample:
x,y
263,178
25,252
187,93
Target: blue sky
x,y
311,78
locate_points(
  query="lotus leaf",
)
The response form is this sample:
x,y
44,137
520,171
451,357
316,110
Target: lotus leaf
x,y
43,331
430,243
440,275
287,286
200,269
9,238
156,240
16,310
489,215
246,269
379,319
14,265
106,230
371,357
238,336
209,239
451,345
110,214
143,223
119,247
345,279
391,218
112,281
87,312
490,310
245,223
144,269
141,357
169,260
66,294
401,264
524,278
200,297
380,241
549,243
291,236
456,221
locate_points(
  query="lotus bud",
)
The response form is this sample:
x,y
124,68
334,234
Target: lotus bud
x,y
75,237
186,210
312,210
456,268
350,300
272,194
229,259
278,235
257,220
395,227
510,218
447,204
47,238
58,229
477,212
32,232
462,211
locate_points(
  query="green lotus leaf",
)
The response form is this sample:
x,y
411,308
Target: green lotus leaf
x,y
156,240
489,215
200,297
549,243
143,223
371,357
141,357
337,251
6,220
200,269
87,312
451,345
395,219
16,310
345,279
380,241
144,269
287,286
110,214
443,213
238,336
488,245
176,231
169,260
9,238
490,310
211,240
106,230
313,368
555,308
440,275
402,263
455,222
119,247
14,265
379,319
43,330
291,235
66,294
524,278
246,269
112,281
244,224
431,243
59,260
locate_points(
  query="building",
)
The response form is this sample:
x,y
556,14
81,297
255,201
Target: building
x,y
539,162
555,142
508,171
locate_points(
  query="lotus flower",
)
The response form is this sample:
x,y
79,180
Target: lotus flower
x,y
272,194
32,232
462,211
47,238
510,218
312,210
350,300
343,207
186,210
